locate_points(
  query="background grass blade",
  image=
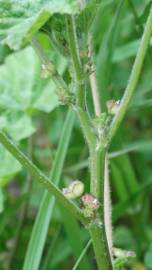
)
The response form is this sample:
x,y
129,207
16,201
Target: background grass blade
x,y
74,235
82,255
40,229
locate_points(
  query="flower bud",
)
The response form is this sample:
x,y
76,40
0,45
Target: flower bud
x,y
90,202
47,70
75,190
112,106
120,253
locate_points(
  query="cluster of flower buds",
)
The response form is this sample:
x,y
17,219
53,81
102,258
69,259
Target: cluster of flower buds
x,y
90,201
91,204
113,106
47,70
64,96
74,190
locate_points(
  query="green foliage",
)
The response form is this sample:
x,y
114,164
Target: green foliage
x,y
21,20
10,166
22,96
148,258
1,201
31,116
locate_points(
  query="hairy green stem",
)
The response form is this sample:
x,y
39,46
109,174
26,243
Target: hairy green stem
x,y
74,49
87,130
41,178
100,245
100,179
134,77
93,80
97,156
98,231
56,77
97,164
140,26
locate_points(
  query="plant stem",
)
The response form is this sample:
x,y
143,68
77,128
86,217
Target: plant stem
x,y
41,178
87,129
102,185
97,157
97,164
80,86
74,49
98,231
134,77
98,236
57,78
140,26
93,81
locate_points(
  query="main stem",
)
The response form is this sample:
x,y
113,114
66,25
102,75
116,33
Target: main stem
x,y
134,77
103,182
97,156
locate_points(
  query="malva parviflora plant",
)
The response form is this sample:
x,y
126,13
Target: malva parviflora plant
x,y
98,132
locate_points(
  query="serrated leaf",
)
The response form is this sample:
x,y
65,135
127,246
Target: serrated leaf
x,y
22,91
20,20
19,126
47,101
17,80
21,84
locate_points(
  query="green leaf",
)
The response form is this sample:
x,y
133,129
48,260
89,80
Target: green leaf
x,y
22,91
20,20
48,100
141,146
18,125
126,51
21,84
146,11
9,166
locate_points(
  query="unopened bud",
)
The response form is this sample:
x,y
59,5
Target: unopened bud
x,y
75,190
64,96
113,106
120,253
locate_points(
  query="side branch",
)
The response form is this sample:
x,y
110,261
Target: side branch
x,y
134,77
41,178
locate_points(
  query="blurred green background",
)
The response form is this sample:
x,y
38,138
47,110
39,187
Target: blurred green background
x,y
31,115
